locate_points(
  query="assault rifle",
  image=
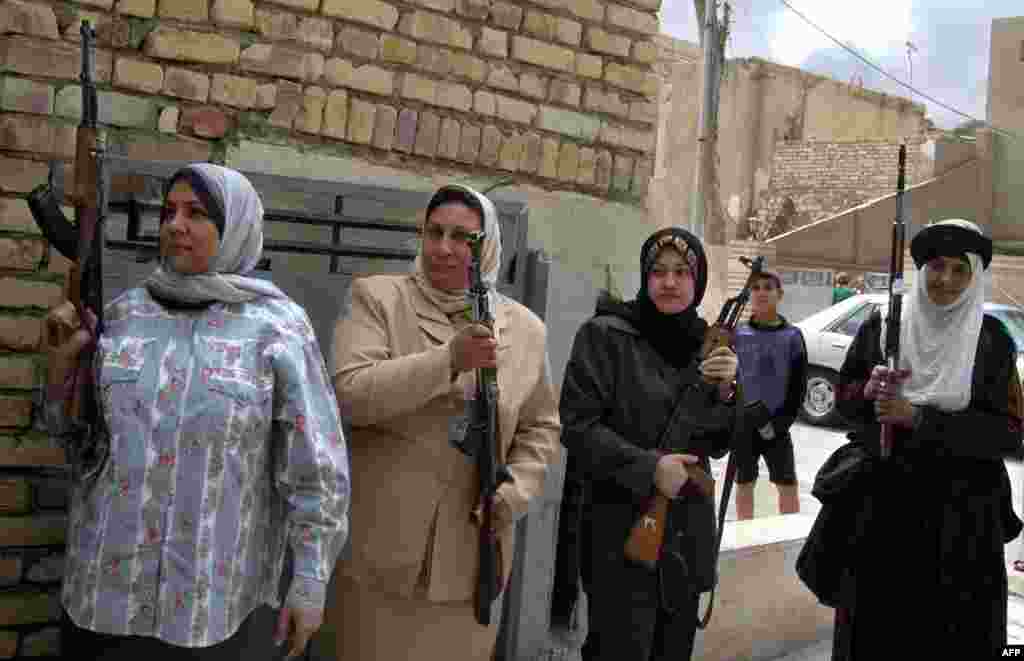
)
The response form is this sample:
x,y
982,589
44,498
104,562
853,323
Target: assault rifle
x,y
80,242
892,334
647,536
483,436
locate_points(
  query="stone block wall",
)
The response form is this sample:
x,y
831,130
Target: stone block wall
x,y
561,94
815,180
33,489
558,94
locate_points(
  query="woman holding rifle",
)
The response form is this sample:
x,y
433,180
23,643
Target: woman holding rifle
x,y
208,525
405,357
929,575
629,365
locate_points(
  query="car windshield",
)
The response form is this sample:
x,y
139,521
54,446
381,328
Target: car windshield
x,y
1013,320
852,323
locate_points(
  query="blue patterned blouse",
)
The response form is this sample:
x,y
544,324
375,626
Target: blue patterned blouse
x,y
226,454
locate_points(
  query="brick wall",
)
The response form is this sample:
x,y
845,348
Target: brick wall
x,y
32,486
561,94
814,180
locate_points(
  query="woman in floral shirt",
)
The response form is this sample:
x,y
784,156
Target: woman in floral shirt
x,y
220,485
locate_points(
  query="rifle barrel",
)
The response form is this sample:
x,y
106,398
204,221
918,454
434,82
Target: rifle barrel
x,y
892,335
90,108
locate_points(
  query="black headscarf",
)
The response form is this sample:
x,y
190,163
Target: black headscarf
x,y
676,337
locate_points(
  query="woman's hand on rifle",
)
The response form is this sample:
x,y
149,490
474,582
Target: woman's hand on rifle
x,y
501,515
884,381
884,388
670,475
66,338
473,347
719,369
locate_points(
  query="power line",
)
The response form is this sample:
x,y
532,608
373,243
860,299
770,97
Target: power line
x,y
1003,132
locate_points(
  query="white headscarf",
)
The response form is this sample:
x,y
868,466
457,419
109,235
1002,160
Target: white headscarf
x,y
241,245
454,301
939,343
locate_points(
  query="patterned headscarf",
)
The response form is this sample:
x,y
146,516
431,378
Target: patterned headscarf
x,y
455,301
240,248
677,337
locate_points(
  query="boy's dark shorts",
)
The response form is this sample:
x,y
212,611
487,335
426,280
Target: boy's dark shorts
x,y
777,453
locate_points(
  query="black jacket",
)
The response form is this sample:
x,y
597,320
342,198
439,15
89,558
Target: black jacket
x,y
930,574
617,398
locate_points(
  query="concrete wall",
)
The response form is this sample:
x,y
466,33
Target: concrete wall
x,y
859,239
678,104
587,235
762,103
1006,71
759,559
1006,111
1008,187
950,153
805,292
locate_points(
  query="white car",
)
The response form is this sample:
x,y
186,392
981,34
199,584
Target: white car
x,y
828,335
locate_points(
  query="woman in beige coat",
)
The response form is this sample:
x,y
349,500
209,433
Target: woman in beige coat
x,y
404,356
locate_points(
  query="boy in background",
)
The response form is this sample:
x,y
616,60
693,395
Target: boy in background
x,y
842,289
773,368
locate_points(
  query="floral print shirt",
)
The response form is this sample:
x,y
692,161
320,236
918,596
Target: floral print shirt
x,y
226,456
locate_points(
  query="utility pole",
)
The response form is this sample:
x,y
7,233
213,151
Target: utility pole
x,y
707,217
911,49
709,29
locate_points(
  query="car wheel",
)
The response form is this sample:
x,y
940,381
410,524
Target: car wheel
x,y
819,407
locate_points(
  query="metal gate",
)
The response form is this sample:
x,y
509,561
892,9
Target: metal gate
x,y
318,236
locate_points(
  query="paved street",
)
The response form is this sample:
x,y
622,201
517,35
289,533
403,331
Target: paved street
x,y
812,446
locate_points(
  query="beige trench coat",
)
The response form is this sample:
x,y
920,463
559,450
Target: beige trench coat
x,y
412,491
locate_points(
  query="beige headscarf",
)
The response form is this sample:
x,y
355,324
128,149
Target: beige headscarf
x,y
455,302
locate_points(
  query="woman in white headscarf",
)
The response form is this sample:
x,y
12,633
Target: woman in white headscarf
x,y
206,521
928,578
405,356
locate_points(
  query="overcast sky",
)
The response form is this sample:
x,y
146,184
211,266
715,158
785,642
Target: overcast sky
x,y
951,37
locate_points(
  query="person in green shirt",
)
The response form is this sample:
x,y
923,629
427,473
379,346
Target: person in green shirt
x,y
842,289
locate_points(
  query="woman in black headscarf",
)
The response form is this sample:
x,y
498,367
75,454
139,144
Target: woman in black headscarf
x,y
630,365
927,576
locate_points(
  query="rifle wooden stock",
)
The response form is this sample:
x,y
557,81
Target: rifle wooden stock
x,y
643,545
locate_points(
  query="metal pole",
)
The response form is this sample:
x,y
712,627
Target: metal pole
x,y
697,208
